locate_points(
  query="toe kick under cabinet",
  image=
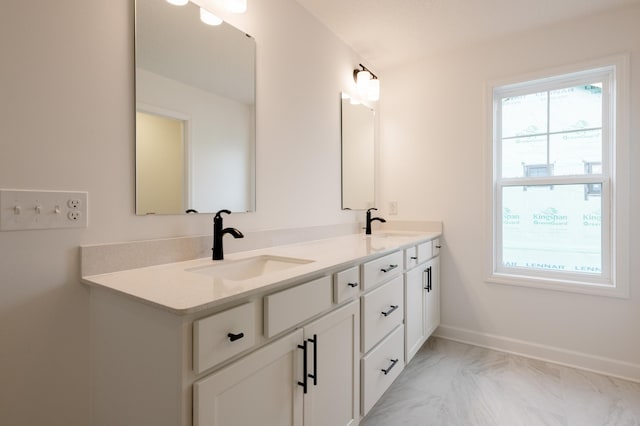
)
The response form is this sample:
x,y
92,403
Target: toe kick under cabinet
x,y
313,352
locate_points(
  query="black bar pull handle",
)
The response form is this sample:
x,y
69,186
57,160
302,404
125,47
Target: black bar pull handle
x,y
393,308
428,271
438,246
235,336
314,376
352,284
414,257
393,364
388,268
305,373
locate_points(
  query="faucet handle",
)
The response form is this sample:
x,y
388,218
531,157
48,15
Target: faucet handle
x,y
221,211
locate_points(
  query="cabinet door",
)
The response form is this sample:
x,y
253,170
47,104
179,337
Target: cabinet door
x,y
260,389
414,311
333,362
432,296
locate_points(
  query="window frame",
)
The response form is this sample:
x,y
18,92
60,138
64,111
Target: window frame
x,y
613,281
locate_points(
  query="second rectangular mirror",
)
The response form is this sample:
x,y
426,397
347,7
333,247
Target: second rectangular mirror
x,y
358,155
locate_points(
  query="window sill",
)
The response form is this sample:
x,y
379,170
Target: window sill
x,y
592,289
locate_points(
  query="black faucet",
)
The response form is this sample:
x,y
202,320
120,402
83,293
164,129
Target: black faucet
x,y
370,219
218,233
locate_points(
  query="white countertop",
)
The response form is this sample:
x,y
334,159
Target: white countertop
x,y
174,288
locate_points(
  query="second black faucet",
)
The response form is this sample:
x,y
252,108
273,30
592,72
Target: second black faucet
x,y
370,219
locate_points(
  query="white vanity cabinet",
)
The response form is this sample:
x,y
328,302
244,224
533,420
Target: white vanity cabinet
x,y
432,295
259,389
382,317
422,296
269,388
318,348
333,363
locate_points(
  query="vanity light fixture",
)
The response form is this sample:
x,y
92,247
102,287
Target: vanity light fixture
x,y
367,83
209,18
234,6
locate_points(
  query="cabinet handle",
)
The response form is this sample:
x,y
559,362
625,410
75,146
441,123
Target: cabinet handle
x,y
314,376
428,271
393,364
305,373
233,337
388,268
414,257
438,247
393,308
352,284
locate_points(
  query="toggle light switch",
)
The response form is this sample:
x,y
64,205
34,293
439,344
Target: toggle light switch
x,y
27,209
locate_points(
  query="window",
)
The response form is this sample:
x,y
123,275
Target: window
x,y
557,181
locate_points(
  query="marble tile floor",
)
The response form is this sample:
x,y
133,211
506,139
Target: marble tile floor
x,y
454,384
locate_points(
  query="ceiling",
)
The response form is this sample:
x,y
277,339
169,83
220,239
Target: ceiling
x,y
393,32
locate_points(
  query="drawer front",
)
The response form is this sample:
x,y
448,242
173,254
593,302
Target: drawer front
x,y
410,257
436,246
221,336
382,311
289,307
346,284
381,269
425,252
389,357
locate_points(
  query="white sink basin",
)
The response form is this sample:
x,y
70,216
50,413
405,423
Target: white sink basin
x,y
243,269
392,234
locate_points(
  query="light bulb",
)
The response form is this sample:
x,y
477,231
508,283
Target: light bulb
x,y
374,90
362,82
236,6
209,18
178,2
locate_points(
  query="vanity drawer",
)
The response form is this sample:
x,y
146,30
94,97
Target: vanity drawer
x,y
436,247
223,335
381,269
382,311
346,284
289,307
425,252
389,357
410,257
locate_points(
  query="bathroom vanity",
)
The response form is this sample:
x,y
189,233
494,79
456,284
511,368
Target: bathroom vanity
x,y
304,334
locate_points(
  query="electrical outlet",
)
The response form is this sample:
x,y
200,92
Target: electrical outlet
x,y
27,209
74,215
393,207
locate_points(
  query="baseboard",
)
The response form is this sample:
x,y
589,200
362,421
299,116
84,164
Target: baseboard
x,y
580,360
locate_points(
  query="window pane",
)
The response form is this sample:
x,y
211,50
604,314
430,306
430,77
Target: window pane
x,y
554,228
575,108
524,157
524,115
576,153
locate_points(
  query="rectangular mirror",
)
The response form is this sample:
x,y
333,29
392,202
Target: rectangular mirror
x,y
358,155
195,112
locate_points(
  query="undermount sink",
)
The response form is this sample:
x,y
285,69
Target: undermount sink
x,y
252,267
394,234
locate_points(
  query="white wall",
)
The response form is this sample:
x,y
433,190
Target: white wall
x,y
67,122
433,133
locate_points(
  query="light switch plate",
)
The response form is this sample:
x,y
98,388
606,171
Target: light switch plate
x,y
29,209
